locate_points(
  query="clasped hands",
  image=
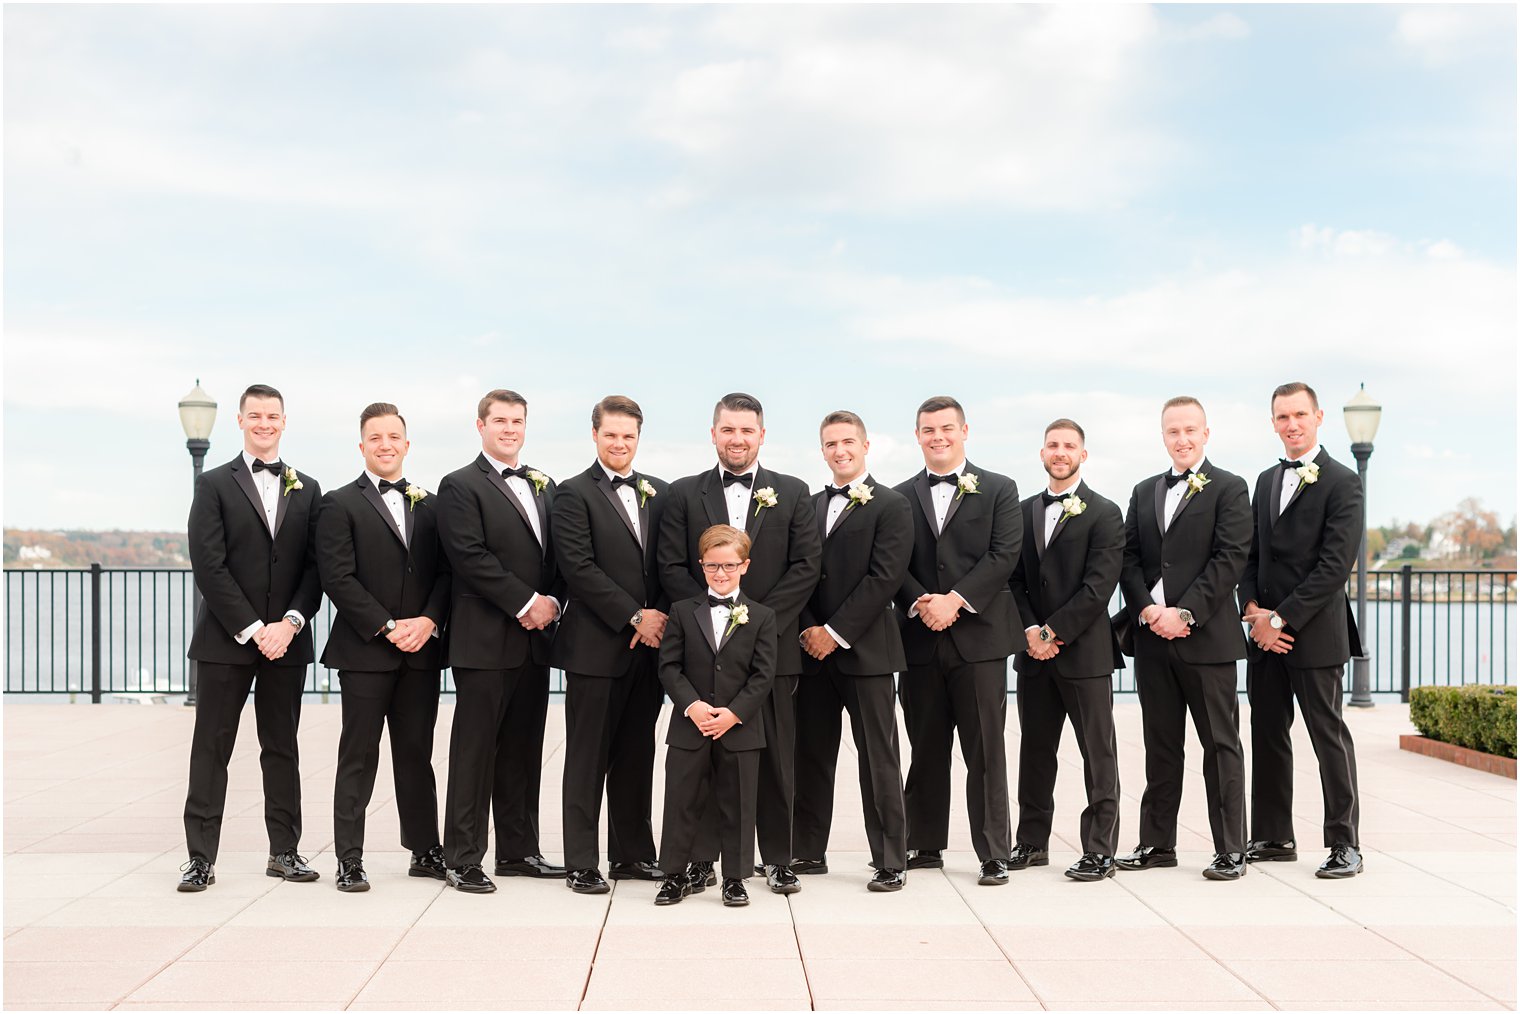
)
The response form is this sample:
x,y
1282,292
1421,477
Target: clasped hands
x,y
540,614
710,721
1166,622
651,629
1042,650
274,638
818,643
411,634
938,611
1266,636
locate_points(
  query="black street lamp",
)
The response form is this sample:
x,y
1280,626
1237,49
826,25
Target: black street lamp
x,y
1362,418
197,414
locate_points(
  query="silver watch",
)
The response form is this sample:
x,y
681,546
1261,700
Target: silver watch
x,y
1186,616
294,622
638,617
1275,622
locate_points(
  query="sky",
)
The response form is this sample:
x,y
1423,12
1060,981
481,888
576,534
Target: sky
x,y
1044,211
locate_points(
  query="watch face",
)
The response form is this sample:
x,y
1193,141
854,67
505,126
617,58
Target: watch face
x,y
1276,622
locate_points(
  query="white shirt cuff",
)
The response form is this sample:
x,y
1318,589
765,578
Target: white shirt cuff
x,y
297,614
242,636
837,639
964,604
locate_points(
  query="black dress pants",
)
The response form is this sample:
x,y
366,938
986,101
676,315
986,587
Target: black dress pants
x,y
709,792
1045,701
406,700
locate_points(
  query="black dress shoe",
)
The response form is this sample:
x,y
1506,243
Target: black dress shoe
x,y
807,867
1092,866
290,866
734,894
1226,866
351,878
780,879
926,859
429,864
634,871
701,876
993,874
530,866
673,890
470,880
587,881
887,880
1025,856
198,874
1147,857
1345,861
1271,852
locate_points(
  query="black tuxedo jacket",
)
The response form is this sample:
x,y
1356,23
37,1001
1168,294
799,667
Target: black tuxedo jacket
x,y
864,561
243,572
783,567
975,555
1300,562
608,575
735,674
372,576
498,566
1067,585
1199,560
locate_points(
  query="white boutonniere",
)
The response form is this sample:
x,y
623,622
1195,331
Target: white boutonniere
x,y
737,617
1308,473
966,484
646,490
1195,482
413,494
860,493
292,481
538,479
765,497
1071,507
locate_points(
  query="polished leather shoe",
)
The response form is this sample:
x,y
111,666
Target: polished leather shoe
x,y
1271,852
926,859
634,871
587,881
290,866
198,874
700,876
1148,857
1345,861
1092,866
734,894
993,873
1025,856
1226,866
672,891
429,864
887,880
530,866
807,867
351,878
781,880
470,880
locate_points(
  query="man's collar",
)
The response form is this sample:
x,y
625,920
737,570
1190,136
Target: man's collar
x,y
610,473
493,459
1307,456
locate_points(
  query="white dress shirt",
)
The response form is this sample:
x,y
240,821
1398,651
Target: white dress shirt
x,y
942,495
1291,480
1174,495
837,504
394,502
629,499
269,485
523,490
740,498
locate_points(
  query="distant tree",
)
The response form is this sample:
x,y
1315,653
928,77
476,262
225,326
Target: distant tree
x,y
1377,541
1410,552
1474,531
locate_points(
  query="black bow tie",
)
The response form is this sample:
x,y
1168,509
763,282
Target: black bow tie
x,y
1173,478
1050,498
717,603
832,490
935,480
1286,464
521,471
399,485
746,480
625,480
268,466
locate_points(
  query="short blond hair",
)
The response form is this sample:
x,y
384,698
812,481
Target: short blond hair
x,y
723,535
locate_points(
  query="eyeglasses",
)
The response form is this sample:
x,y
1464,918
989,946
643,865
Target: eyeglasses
x,y
727,568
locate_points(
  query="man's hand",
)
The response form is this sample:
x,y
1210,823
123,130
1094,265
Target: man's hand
x,y
1267,637
539,615
1168,623
1040,650
700,713
721,721
650,630
818,643
938,611
411,634
274,638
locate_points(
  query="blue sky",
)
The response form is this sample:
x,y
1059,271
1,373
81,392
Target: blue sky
x,y
1045,211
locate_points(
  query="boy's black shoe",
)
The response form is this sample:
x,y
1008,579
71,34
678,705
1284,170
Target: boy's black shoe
x,y
1025,856
734,894
429,864
1147,857
781,880
673,890
887,880
993,873
634,871
701,876
351,876
587,881
926,859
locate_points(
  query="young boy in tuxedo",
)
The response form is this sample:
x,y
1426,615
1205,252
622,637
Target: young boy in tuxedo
x,y
717,662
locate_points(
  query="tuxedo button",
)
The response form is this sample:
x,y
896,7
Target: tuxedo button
x,y
718,667
1166,566
942,566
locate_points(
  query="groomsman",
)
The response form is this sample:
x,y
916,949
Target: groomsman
x,y
851,638
1073,552
605,522
506,591
1309,521
383,569
958,627
252,537
1186,539
776,512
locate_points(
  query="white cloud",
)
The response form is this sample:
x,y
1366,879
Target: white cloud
x,y
1443,35
1220,26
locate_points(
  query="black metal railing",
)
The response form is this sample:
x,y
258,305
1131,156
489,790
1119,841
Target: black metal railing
x,y
101,631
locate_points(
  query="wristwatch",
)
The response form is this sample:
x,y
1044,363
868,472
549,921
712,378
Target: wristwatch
x,y
638,617
294,622
1186,616
1046,636
1275,622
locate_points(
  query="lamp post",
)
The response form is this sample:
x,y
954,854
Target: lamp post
x,y
197,414
1362,418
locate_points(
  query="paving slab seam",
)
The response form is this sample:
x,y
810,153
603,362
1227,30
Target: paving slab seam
x,y
807,980
998,944
1439,876
387,955
1427,961
600,930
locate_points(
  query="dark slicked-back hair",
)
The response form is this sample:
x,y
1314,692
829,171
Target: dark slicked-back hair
x,y
1067,424
738,401
501,394
378,409
1288,390
843,416
616,404
261,391
939,403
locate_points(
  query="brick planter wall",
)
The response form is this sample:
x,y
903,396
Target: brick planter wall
x,y
1459,755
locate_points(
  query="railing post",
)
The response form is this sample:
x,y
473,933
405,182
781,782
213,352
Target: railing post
x,y
1406,614
94,633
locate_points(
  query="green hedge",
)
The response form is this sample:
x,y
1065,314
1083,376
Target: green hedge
x,y
1480,717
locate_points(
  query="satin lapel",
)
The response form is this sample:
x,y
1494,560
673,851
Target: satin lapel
x,y
541,501
729,630
821,510
251,490
1033,515
281,504
493,476
378,502
599,477
702,614
1160,504
1188,497
1276,484
754,514
409,516
850,510
1061,525
714,499
926,500
1298,492
957,498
